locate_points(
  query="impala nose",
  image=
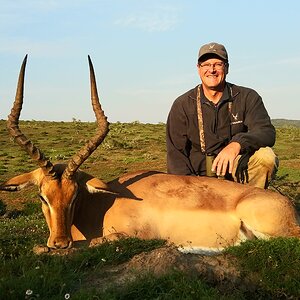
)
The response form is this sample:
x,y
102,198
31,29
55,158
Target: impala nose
x,y
62,243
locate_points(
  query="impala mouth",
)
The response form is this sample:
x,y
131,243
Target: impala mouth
x,y
43,249
62,245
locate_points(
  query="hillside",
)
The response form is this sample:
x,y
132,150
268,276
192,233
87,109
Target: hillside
x,y
285,122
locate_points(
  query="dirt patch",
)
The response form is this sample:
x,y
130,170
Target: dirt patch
x,y
218,270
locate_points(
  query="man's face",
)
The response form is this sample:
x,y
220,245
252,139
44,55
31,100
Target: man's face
x,y
213,73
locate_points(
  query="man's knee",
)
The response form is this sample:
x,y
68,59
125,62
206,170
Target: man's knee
x,y
266,158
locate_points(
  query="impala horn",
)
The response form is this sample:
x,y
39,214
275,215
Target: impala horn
x,y
18,136
102,130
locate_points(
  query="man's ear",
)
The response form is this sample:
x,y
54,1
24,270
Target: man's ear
x,y
227,68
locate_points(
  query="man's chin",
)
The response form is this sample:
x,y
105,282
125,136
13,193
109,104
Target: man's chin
x,y
215,86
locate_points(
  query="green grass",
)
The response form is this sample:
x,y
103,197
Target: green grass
x,y
53,276
272,267
174,285
20,233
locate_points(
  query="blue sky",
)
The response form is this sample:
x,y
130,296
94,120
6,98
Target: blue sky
x,y
144,54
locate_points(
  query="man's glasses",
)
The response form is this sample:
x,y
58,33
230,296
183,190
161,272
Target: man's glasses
x,y
216,66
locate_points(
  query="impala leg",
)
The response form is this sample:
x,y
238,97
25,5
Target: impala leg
x,y
268,215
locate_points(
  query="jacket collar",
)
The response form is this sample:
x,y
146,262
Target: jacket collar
x,y
232,88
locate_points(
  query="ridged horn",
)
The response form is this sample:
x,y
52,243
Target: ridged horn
x,y
102,130
15,132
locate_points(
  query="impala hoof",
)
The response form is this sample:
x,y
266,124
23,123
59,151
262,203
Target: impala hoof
x,y
39,249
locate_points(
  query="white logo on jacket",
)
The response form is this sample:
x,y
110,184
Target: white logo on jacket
x,y
235,118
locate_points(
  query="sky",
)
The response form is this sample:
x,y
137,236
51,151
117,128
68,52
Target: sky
x,y
144,54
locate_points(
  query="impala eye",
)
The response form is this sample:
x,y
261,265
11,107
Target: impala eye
x,y
77,193
43,200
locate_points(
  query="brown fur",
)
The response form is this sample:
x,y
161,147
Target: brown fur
x,y
188,211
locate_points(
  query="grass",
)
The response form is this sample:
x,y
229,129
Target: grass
x,y
54,276
20,233
272,266
174,285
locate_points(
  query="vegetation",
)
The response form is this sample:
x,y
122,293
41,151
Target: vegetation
x,y
257,269
285,123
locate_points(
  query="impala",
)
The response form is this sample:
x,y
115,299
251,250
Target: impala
x,y
192,212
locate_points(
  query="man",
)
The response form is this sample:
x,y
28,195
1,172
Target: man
x,y
222,121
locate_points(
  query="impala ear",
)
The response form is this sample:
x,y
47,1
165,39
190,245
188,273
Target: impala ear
x,y
96,185
19,182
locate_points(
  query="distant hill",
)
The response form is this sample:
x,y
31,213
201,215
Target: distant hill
x,y
285,122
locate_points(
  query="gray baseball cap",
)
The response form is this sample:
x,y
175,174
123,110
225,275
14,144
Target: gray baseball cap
x,y
213,48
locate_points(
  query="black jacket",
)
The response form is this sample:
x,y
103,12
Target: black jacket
x,y
248,123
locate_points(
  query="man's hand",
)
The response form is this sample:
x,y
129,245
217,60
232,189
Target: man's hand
x,y
226,157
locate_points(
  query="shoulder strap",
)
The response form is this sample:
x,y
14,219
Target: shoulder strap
x,y
200,121
200,118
